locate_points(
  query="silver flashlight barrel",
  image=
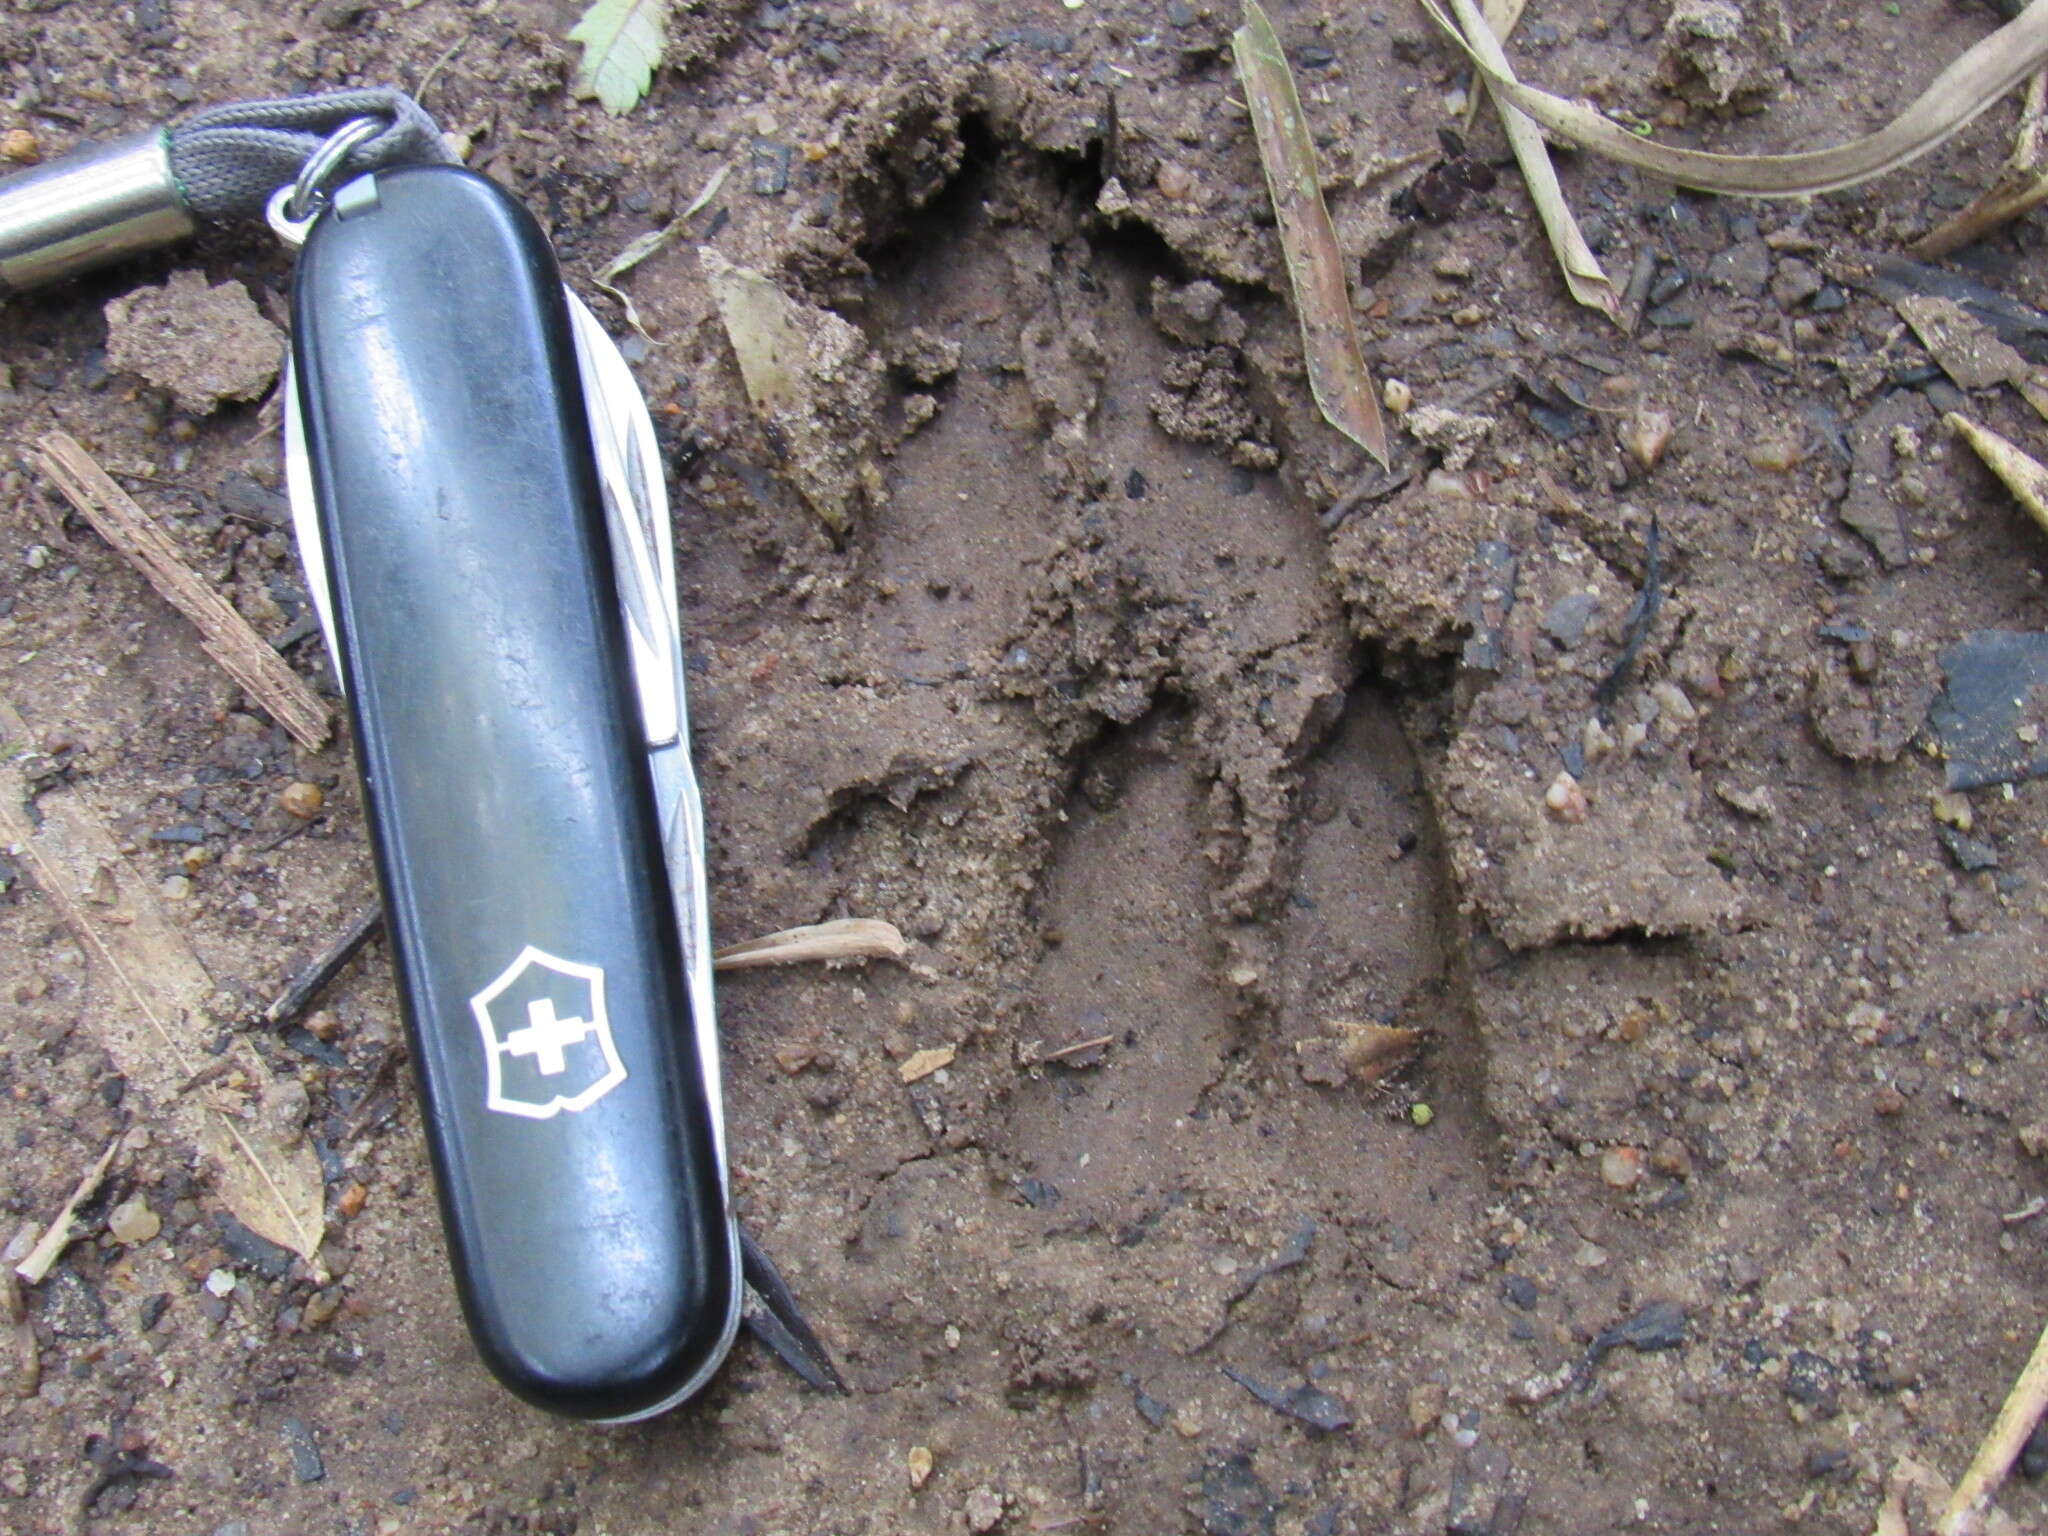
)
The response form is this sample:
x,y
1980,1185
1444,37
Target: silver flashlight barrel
x,y
93,206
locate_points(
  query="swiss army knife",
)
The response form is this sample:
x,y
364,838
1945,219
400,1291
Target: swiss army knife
x,y
479,503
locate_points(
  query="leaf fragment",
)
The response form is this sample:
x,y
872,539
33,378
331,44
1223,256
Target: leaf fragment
x,y
622,44
1337,375
270,1179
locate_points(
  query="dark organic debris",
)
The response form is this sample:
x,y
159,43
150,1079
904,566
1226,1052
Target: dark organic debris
x,y
1294,1251
1311,1405
1660,1325
1642,617
1995,701
1971,854
1235,1502
123,1462
1439,192
1376,484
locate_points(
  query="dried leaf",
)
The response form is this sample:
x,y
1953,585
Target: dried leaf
x,y
1958,95
1315,264
1583,275
622,43
847,938
270,1179
1370,1051
156,1044
2023,474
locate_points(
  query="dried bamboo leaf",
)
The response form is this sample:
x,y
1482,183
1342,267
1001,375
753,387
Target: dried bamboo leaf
x,y
847,938
1958,95
1583,275
2024,475
156,1046
1315,264
622,43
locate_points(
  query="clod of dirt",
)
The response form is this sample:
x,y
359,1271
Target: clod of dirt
x,y
1203,400
1636,862
927,358
1195,314
203,344
813,379
1718,53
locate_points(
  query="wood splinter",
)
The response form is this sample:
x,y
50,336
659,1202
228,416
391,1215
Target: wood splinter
x,y
242,653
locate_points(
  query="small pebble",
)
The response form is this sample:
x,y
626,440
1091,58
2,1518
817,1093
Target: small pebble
x,y
1427,1402
1621,1167
1396,396
132,1221
302,800
1567,801
919,1465
20,146
1672,1158
1646,435
221,1282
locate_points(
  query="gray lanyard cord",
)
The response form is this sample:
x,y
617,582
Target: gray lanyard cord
x,y
229,160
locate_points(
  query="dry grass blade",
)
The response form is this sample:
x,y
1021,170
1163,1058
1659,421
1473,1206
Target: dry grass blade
x,y
1965,1514
1315,264
2023,474
1958,95
847,938
639,249
242,653
1589,284
56,1237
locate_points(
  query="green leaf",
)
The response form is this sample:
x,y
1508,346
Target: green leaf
x,y
622,42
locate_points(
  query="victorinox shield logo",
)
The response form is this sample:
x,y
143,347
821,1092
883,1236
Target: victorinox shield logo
x,y
547,1039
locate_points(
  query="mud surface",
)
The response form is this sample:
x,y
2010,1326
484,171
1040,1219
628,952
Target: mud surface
x,y
1148,713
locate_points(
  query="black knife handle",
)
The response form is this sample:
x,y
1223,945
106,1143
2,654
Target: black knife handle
x,y
510,805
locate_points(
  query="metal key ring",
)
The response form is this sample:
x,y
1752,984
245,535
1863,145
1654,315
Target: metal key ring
x,y
324,162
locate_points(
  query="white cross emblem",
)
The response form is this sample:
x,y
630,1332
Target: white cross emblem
x,y
562,1058
547,1038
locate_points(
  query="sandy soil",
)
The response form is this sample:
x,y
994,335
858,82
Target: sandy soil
x,y
1098,702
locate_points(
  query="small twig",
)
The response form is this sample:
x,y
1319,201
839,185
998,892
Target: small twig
x,y
57,1236
309,983
2027,1212
242,653
1075,1049
2001,1447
